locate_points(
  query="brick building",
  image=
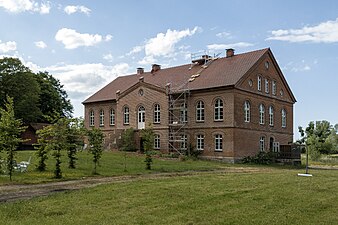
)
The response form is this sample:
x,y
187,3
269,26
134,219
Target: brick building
x,y
227,107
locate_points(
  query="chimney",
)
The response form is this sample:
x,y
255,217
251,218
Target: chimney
x,y
230,52
140,70
155,67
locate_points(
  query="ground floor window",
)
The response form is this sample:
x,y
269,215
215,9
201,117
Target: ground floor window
x,y
184,141
218,142
200,142
157,142
262,144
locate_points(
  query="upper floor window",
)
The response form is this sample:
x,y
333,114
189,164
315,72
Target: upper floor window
x,y
200,142
112,117
101,117
271,113
261,114
218,109
126,115
91,118
218,142
283,118
157,142
157,114
266,85
184,142
200,111
183,113
246,111
274,87
262,144
259,83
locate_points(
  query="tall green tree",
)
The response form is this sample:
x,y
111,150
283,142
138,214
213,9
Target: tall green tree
x,y
74,137
95,138
147,136
10,130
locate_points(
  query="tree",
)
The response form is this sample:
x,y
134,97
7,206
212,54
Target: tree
x,y
74,137
43,147
10,130
128,140
147,136
95,138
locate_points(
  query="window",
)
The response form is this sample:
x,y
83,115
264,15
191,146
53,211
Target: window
x,y
261,114
184,142
262,144
200,111
157,113
200,142
112,117
271,111
183,113
246,111
283,118
126,115
91,118
274,87
218,142
266,85
157,142
259,83
101,117
218,109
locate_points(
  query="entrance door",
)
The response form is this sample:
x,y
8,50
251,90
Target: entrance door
x,y
141,117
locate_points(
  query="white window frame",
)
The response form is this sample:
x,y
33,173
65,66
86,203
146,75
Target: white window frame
x,y
200,111
91,118
276,147
247,111
283,118
101,117
271,116
112,117
262,144
184,142
183,113
157,113
259,83
126,114
261,114
274,87
157,141
267,88
218,142
218,110
200,142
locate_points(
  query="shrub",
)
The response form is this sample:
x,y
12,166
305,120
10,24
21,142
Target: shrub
x,y
264,158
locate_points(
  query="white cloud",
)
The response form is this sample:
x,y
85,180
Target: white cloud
x,y
326,32
215,47
72,39
223,35
18,6
135,50
40,44
70,9
297,66
109,57
7,46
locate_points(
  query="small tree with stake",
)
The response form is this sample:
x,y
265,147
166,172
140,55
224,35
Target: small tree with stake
x,y
10,130
147,136
95,138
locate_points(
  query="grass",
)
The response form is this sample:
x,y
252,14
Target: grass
x,y
273,196
111,164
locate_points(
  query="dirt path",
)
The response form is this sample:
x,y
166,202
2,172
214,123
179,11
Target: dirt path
x,y
11,193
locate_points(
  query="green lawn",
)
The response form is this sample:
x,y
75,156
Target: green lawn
x,y
271,196
111,164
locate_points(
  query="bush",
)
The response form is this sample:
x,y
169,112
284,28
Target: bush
x,y
264,158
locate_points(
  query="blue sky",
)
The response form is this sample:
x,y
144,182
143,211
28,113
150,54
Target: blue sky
x,y
86,44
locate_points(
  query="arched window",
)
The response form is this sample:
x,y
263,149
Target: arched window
x,y
218,109
101,117
157,141
271,119
200,142
183,113
112,117
267,85
274,87
200,111
283,118
261,114
259,83
126,115
218,142
247,111
141,117
157,113
91,118
262,144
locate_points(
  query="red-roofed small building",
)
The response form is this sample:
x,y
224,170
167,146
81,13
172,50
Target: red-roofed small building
x,y
227,108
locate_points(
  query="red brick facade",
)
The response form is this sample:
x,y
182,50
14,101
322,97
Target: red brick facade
x,y
239,138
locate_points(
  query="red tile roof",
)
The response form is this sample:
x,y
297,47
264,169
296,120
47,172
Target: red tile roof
x,y
220,72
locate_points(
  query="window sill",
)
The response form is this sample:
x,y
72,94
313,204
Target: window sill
x,y
219,120
199,121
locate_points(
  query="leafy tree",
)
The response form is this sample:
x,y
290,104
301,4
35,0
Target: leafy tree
x,y
10,130
74,137
43,147
95,138
147,136
128,140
